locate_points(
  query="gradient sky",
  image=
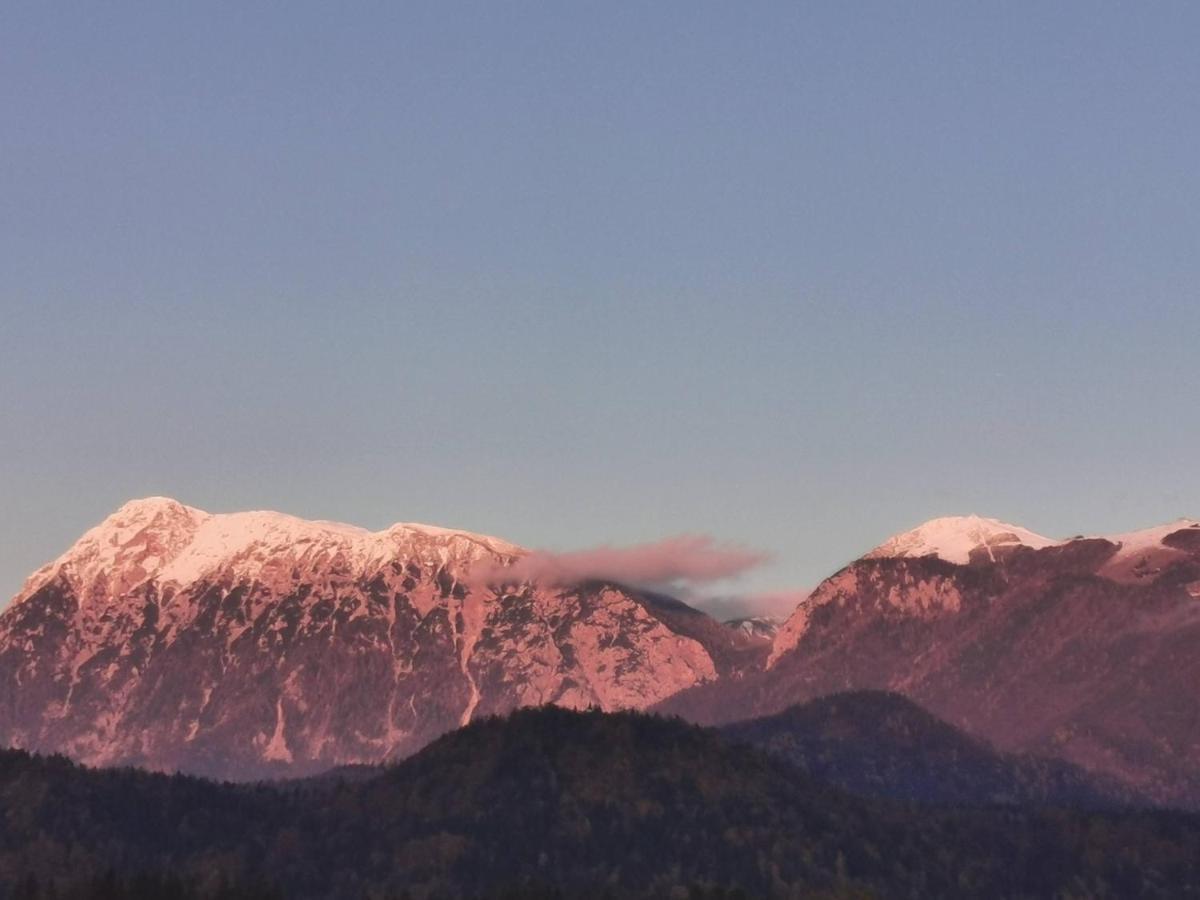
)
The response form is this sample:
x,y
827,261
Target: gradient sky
x,y
797,276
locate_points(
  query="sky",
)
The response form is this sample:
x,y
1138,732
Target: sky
x,y
783,277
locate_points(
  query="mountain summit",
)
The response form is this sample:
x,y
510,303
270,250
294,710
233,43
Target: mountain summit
x,y
956,538
162,541
256,643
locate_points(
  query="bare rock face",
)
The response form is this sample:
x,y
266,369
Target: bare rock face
x,y
257,644
1086,650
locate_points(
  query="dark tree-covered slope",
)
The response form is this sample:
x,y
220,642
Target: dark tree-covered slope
x,y
582,804
882,744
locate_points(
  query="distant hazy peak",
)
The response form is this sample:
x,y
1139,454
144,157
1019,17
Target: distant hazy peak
x,y
755,626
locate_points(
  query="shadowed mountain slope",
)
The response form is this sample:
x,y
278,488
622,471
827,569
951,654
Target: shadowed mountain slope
x,y
882,744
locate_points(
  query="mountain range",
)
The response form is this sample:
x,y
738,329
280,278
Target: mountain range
x,y
254,645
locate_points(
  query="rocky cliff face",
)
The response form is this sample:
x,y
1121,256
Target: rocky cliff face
x,y
257,644
1083,649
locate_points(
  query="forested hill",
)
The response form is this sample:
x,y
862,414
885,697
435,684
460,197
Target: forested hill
x,y
878,743
575,804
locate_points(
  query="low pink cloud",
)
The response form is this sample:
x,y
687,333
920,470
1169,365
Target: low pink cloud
x,y
673,562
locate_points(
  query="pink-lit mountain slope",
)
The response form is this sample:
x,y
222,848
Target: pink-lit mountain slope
x,y
1086,649
256,644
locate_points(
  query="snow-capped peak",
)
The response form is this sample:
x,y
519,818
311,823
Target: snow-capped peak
x,y
953,539
162,540
1132,543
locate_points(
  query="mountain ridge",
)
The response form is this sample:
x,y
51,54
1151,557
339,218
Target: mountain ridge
x,y
182,542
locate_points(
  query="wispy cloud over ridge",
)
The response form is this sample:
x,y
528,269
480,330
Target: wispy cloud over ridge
x,y
682,561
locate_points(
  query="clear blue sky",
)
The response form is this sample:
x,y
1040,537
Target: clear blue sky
x,y
794,275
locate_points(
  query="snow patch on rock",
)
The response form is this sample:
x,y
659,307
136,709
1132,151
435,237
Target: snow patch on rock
x,y
1145,540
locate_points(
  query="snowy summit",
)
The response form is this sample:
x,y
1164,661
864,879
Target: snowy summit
x,y
954,538
162,540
